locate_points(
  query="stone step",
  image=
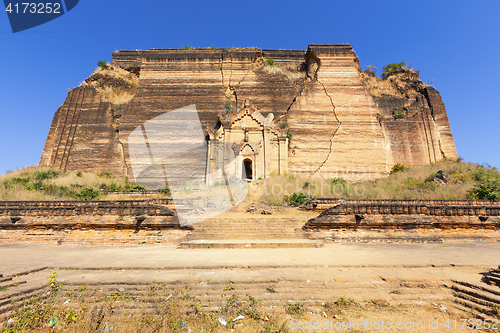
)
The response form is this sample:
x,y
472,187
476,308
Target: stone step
x,y
483,287
247,226
468,313
238,244
241,237
483,298
474,300
17,297
204,297
133,288
493,279
248,222
485,311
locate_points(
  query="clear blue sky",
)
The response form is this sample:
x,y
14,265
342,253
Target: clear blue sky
x,y
454,43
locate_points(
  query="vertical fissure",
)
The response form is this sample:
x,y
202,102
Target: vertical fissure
x,y
339,123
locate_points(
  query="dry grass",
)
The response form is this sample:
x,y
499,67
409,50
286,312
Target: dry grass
x,y
408,184
117,96
15,185
403,82
114,84
291,71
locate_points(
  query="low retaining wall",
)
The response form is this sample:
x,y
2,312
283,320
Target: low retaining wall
x,y
406,214
326,203
57,215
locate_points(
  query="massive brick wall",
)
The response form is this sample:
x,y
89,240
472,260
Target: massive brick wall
x,y
424,136
334,120
82,135
337,126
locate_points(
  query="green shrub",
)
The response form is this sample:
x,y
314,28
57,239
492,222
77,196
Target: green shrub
x,y
87,193
111,187
482,173
79,174
485,190
105,174
132,187
21,181
42,175
228,105
389,68
270,62
165,191
296,199
338,180
283,125
102,64
397,168
187,47
398,114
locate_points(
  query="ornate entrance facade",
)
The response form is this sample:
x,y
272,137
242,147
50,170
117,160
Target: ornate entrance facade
x,y
246,145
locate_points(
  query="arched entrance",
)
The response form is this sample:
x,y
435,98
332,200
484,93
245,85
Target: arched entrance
x,y
247,169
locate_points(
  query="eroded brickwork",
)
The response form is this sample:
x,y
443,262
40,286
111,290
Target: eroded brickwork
x,y
338,126
406,214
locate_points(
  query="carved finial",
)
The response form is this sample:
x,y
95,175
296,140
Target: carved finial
x,y
247,103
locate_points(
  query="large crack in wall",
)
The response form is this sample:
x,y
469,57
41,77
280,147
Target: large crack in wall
x,y
334,132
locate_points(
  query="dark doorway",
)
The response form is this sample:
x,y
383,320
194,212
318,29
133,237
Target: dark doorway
x,y
247,169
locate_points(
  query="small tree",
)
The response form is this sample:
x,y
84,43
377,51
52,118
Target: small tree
x,y
389,68
102,64
398,167
485,190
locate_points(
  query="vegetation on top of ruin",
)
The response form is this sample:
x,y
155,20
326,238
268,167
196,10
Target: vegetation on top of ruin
x,y
102,64
398,114
389,68
270,62
41,183
293,71
114,84
466,181
397,80
228,106
188,47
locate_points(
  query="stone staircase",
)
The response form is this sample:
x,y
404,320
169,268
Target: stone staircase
x,y
262,232
208,290
482,300
16,289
